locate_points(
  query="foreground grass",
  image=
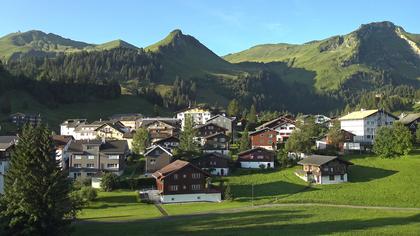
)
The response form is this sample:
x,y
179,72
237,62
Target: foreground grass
x,y
269,221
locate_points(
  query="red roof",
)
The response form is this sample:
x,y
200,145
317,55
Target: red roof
x,y
173,167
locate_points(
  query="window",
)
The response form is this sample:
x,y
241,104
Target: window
x,y
260,157
332,177
184,187
90,165
152,162
90,174
196,175
173,187
91,157
77,157
184,176
89,147
77,165
113,157
342,177
195,187
175,176
112,165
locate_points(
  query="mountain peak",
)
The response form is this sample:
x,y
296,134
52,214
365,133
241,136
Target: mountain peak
x,y
174,39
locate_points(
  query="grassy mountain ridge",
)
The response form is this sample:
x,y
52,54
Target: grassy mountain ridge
x,y
39,44
368,51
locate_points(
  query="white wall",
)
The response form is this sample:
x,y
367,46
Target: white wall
x,y
96,182
198,197
337,179
255,165
218,171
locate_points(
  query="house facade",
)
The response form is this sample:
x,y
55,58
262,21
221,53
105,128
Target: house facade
x,y
131,121
161,129
214,163
216,143
20,119
324,169
364,124
199,115
264,138
90,157
181,181
410,121
156,157
61,145
112,130
7,144
68,126
283,125
225,122
256,158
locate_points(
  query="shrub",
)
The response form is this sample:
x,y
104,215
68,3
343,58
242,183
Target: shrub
x,y
81,182
262,166
109,182
88,193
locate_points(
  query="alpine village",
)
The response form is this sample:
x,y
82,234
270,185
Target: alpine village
x,y
320,138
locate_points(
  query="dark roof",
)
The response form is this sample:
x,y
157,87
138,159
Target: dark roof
x,y
408,119
166,139
73,122
205,155
61,140
208,124
276,122
319,160
110,146
7,141
260,131
174,167
114,146
222,116
216,134
253,150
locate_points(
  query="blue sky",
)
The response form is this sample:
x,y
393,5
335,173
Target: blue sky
x,y
223,26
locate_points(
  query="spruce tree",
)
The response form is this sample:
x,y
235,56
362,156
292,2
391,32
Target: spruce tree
x,y
244,143
37,193
141,140
186,139
233,108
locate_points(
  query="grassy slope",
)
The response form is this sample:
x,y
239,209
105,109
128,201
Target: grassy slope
x,y
114,44
22,102
335,59
373,182
329,73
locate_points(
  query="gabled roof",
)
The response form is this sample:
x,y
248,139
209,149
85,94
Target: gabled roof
x,y
216,154
216,116
260,131
7,141
319,160
166,139
110,146
61,140
255,149
174,167
208,124
151,149
357,115
168,121
276,122
408,119
215,135
118,126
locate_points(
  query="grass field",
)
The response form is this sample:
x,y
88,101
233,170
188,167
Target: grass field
x,y
373,182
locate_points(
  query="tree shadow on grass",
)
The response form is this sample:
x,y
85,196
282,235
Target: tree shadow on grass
x,y
254,222
359,173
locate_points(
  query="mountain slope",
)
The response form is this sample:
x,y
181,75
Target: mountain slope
x,y
184,56
39,44
376,51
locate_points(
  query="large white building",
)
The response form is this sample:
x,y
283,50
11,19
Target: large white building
x,y
7,144
364,124
200,115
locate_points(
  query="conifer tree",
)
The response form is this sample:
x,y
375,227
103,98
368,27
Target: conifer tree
x,y
140,140
186,140
244,143
37,193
